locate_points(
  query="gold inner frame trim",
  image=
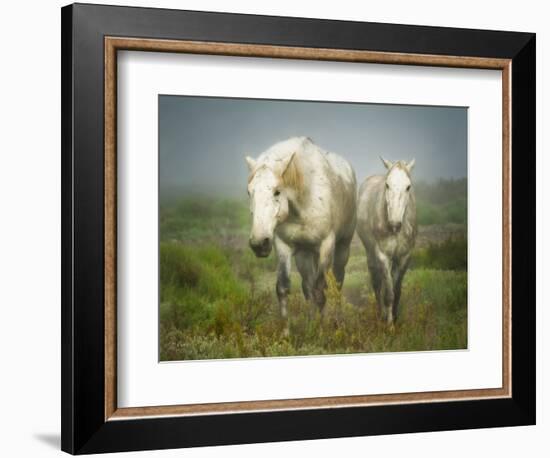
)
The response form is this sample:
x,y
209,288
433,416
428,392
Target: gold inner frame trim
x,y
114,44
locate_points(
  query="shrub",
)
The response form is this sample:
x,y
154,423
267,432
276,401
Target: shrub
x,y
432,316
194,283
452,254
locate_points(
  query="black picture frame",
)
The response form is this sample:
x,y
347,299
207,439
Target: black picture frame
x,y
84,428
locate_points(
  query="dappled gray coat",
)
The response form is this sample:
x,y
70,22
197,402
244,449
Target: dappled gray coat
x,y
386,224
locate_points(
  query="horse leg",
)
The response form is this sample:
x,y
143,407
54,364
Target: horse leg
x,y
341,256
307,266
386,290
398,273
326,257
284,253
376,280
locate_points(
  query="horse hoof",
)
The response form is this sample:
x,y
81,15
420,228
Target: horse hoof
x,y
391,328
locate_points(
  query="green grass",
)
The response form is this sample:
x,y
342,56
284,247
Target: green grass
x,y
200,217
209,312
196,283
217,300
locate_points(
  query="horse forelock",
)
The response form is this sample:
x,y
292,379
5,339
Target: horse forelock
x,y
252,174
399,165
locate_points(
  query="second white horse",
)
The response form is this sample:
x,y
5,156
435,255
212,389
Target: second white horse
x,y
386,214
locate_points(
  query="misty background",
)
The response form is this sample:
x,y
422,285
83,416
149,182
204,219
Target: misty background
x,y
203,140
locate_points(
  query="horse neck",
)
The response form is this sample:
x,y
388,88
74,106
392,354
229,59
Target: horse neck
x,y
382,209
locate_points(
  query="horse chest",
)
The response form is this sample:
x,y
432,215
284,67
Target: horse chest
x,y
292,233
389,246
394,246
297,233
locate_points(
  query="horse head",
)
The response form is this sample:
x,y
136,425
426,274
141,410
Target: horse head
x,y
269,194
397,189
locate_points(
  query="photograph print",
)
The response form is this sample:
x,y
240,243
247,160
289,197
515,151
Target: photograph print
x,y
303,228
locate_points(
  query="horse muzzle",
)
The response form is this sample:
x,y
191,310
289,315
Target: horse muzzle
x,y
261,247
395,227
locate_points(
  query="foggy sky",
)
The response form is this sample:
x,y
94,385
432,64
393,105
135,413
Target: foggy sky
x,y
203,140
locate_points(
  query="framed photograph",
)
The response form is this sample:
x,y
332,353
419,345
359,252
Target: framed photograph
x,y
282,228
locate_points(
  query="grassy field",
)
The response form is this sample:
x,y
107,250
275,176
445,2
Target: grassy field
x,y
218,300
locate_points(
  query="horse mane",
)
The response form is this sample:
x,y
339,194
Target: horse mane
x,y
293,177
277,156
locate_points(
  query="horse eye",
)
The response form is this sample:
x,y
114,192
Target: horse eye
x,y
387,186
408,187
276,193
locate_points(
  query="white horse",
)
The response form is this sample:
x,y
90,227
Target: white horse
x,y
386,224
302,201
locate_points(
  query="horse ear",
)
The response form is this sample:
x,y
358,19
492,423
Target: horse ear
x,y
251,163
410,165
286,162
387,164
